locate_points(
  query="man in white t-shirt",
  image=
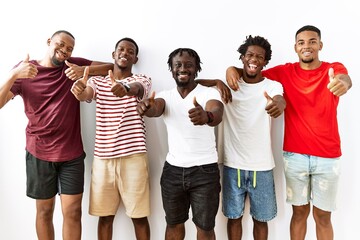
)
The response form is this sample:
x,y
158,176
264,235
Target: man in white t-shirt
x,y
190,176
248,157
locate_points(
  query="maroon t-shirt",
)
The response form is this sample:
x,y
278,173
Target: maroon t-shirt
x,y
53,132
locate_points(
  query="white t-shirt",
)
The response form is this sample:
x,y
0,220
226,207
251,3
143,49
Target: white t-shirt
x,y
247,127
189,145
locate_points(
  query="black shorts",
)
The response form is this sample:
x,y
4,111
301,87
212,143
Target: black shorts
x,y
198,187
46,179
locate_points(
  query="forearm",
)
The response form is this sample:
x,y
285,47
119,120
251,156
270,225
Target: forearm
x,y
5,93
100,68
207,82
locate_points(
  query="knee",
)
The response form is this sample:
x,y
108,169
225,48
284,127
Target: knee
x,y
107,220
301,212
140,221
321,217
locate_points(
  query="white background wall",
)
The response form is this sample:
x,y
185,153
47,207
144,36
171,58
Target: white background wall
x,y
214,29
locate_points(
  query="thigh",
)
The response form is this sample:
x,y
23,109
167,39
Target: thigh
x,y
71,176
297,175
233,192
175,198
204,195
324,184
134,187
41,178
262,197
104,192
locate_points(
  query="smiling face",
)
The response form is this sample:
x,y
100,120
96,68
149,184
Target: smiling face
x,y
183,69
61,47
125,54
254,61
307,47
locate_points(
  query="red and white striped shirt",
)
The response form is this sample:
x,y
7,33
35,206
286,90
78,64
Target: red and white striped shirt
x,y
120,130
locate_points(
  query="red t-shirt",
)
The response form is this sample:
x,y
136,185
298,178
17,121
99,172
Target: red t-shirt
x,y
53,132
311,112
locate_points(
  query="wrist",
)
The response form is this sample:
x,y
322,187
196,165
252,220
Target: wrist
x,y
210,116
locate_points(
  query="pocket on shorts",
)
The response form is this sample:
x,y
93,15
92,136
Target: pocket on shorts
x,y
288,154
210,168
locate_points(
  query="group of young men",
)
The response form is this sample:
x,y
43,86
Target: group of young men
x,y
307,92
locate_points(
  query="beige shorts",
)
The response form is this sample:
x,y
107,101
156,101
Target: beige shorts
x,y
123,179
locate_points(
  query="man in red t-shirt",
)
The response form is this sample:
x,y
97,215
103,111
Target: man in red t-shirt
x,y
311,138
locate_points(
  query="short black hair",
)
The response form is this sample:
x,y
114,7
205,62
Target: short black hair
x,y
129,40
63,31
308,28
257,41
191,52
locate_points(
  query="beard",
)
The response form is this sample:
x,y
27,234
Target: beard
x,y
181,84
56,62
307,60
250,76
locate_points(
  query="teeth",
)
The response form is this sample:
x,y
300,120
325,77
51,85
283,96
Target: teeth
x,y
122,58
252,66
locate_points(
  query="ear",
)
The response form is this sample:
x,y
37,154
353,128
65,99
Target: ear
x,y
321,45
48,41
242,58
136,60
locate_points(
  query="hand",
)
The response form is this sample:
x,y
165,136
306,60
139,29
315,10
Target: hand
x,y
116,88
79,86
25,69
224,90
74,72
274,106
232,78
337,85
146,104
197,114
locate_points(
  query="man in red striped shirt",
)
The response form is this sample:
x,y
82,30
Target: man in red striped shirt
x,y
120,166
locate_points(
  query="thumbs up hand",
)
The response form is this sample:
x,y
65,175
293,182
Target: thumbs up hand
x,y
74,72
197,115
146,104
118,89
275,106
79,85
337,85
25,69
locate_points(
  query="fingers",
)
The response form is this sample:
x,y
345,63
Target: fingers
x,y
86,75
112,78
68,63
268,98
27,58
152,95
331,74
196,104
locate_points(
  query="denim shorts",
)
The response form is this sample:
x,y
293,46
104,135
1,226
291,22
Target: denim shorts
x,y
310,178
196,187
260,187
46,179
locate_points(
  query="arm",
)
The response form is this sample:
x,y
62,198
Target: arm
x,y
23,70
75,72
224,90
151,107
233,74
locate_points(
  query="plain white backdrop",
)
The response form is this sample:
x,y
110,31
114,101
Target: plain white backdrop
x,y
215,29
